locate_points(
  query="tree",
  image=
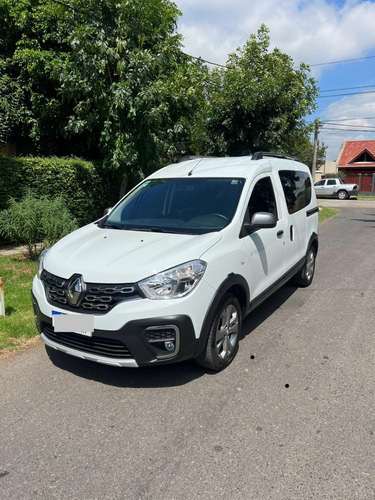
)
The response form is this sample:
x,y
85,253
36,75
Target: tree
x,y
257,102
32,49
102,78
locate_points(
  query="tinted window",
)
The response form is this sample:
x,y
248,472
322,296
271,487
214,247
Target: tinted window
x,y
189,205
320,183
331,182
262,198
297,189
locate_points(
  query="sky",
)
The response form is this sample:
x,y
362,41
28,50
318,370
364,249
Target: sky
x,y
316,32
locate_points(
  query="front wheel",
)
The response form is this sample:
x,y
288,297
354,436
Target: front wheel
x,y
342,195
305,276
223,338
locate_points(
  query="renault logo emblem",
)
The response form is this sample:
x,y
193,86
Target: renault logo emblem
x,y
74,290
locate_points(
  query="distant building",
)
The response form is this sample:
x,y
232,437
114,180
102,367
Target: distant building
x,y
328,167
356,160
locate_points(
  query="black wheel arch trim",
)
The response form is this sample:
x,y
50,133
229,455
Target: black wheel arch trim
x,y
234,282
314,240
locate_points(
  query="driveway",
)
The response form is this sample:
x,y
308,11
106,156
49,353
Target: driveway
x,y
351,203
291,418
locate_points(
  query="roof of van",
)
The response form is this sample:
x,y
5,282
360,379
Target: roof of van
x,y
238,166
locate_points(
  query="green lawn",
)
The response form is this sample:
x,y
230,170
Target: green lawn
x,y
326,213
366,197
18,326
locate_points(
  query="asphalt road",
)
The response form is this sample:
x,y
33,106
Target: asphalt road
x,y
292,418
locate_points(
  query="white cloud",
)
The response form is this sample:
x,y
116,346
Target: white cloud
x,y
312,31
354,112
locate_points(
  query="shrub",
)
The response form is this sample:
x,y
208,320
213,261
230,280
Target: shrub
x,y
36,220
77,180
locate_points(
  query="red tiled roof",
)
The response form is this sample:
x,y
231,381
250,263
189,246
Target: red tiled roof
x,y
353,149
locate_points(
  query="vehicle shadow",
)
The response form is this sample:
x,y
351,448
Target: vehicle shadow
x,y
149,377
164,375
267,308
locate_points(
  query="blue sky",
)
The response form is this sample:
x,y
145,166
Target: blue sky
x,y
312,31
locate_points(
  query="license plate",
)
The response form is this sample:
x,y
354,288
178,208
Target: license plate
x,y
82,324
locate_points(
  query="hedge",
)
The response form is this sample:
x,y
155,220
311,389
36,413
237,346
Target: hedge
x,y
81,183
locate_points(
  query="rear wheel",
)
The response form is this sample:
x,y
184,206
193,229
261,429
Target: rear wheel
x,y
305,276
223,338
342,195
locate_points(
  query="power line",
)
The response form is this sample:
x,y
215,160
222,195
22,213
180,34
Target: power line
x,y
205,61
350,119
345,126
346,94
343,61
349,129
315,64
349,88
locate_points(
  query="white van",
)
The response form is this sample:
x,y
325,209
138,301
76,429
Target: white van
x,y
169,273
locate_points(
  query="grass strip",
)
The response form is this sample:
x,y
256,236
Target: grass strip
x,y
327,213
17,327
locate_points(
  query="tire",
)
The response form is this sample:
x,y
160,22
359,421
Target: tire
x,y
305,276
223,338
342,195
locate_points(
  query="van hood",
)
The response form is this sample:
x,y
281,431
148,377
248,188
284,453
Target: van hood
x,y
120,256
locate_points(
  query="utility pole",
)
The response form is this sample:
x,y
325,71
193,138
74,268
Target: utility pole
x,y
315,152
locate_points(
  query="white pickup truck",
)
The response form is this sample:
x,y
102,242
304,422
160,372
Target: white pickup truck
x,y
336,188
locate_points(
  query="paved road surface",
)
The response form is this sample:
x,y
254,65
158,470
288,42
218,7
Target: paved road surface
x,y
77,430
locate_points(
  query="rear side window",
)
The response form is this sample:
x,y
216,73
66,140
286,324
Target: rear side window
x,y
297,189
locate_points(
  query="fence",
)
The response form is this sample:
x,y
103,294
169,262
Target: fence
x,y
366,182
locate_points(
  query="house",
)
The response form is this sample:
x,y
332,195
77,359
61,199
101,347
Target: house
x,y
357,162
328,167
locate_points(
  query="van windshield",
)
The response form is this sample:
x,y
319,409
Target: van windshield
x,y
188,205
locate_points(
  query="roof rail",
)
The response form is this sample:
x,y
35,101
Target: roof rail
x,y
192,157
262,154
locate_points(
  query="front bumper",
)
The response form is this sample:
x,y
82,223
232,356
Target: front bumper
x,y
151,341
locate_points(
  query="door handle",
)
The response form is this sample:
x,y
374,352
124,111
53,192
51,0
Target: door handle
x,y
280,233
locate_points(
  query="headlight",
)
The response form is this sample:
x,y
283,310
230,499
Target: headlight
x,y
174,283
40,262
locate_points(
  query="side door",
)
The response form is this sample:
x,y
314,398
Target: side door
x,y
320,187
296,186
331,187
265,247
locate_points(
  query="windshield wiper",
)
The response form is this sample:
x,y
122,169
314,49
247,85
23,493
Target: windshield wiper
x,y
152,229
110,225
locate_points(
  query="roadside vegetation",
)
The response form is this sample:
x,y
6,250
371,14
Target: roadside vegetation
x,y
327,213
36,222
17,327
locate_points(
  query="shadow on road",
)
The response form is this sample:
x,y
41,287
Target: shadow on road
x,y
161,376
266,309
158,376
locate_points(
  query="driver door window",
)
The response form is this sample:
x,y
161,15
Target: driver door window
x,y
262,198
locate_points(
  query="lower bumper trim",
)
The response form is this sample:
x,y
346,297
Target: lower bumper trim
x,y
126,362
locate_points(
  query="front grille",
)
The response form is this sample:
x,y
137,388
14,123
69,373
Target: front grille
x,y
101,346
96,297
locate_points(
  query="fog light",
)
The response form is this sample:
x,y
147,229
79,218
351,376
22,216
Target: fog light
x,y
162,340
169,345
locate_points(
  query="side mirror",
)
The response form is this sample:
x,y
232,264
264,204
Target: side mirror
x,y
260,220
